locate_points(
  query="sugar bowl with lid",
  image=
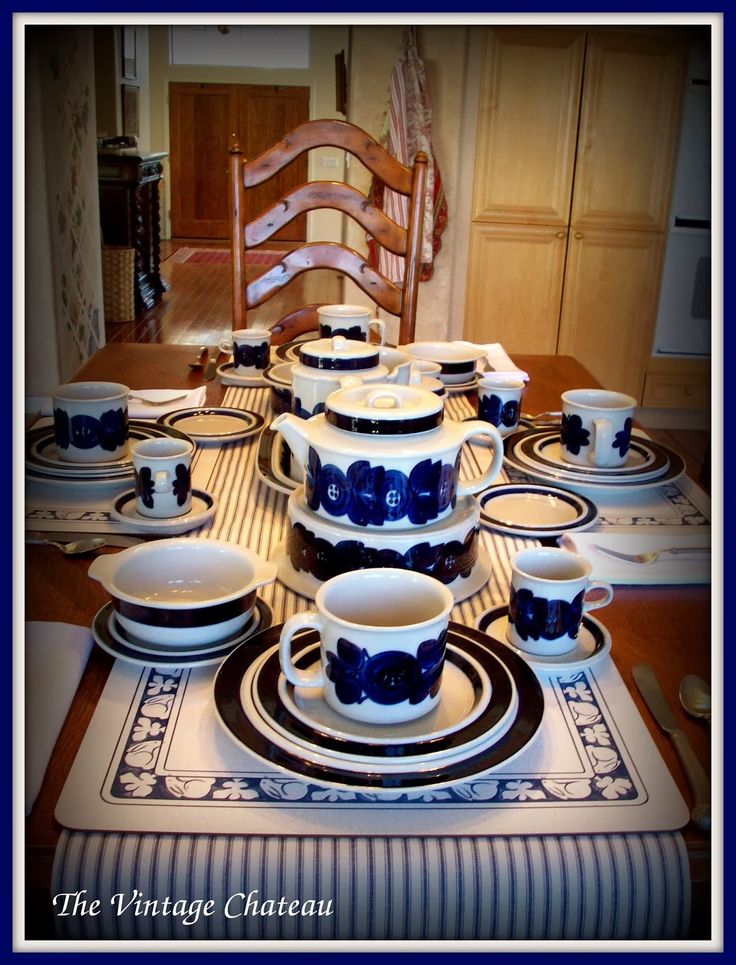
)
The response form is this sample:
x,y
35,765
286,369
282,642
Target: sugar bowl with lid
x,y
385,455
323,363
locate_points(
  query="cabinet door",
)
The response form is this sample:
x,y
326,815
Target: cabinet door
x,y
609,302
515,285
629,130
527,126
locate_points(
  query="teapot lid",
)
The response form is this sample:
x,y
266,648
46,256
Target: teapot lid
x,y
384,410
339,354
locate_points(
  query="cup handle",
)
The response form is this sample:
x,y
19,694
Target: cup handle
x,y
483,481
161,482
226,346
380,328
602,447
604,601
300,621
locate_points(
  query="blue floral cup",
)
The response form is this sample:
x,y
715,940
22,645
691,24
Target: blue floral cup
x,y
353,321
250,349
91,421
596,427
163,480
499,402
548,598
383,634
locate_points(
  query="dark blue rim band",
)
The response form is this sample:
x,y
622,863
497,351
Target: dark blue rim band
x,y
384,427
337,364
195,617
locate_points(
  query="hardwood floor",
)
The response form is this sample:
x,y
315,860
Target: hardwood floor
x,y
197,310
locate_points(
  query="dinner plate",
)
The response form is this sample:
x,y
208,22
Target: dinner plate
x,y
582,484
214,424
334,773
203,508
268,459
477,701
228,376
522,509
181,658
307,585
43,459
593,643
650,461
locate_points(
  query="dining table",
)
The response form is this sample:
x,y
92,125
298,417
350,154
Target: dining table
x,y
444,866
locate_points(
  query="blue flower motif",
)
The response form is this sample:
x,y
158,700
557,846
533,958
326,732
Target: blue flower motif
x,y
353,332
386,678
572,434
447,487
365,484
249,356
537,617
424,483
393,495
84,431
144,486
311,479
182,484
298,409
61,428
334,493
622,439
112,429
494,411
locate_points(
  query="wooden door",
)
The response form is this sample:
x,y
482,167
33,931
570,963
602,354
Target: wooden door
x,y
515,286
527,126
610,302
629,130
204,121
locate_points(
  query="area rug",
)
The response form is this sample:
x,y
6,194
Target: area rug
x,y
221,256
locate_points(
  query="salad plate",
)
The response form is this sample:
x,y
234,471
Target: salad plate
x,y
123,509
592,645
248,730
521,509
543,449
215,424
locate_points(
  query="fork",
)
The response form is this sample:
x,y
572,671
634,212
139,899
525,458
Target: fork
x,y
138,398
653,555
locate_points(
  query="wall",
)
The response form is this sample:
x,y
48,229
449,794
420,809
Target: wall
x,y
63,308
325,42
446,53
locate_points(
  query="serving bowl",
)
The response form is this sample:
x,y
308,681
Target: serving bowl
x,y
180,592
457,362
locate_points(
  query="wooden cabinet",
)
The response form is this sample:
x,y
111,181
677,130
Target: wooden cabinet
x,y
577,140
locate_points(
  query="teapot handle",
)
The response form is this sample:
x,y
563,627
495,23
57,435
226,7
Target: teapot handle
x,y
477,484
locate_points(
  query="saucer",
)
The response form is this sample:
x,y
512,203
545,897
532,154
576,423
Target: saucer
x,y
203,508
477,701
247,732
593,643
214,424
260,618
228,376
529,510
453,388
307,585
268,458
641,457
181,658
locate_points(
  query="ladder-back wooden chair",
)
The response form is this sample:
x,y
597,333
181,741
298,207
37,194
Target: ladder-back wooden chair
x,y
398,300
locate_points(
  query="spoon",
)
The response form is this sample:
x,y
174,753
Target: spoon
x,y
695,696
78,546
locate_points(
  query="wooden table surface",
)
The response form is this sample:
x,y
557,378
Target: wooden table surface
x,y
667,627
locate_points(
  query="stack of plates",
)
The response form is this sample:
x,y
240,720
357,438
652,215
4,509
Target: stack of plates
x,y
538,453
44,465
114,639
490,708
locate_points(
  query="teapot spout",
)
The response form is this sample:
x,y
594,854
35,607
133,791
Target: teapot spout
x,y
296,433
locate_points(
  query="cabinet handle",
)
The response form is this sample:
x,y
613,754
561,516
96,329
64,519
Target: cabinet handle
x,y
561,234
578,235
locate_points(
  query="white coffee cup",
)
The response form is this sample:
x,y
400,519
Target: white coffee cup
x,y
352,321
548,599
596,427
250,348
499,402
91,421
163,480
382,643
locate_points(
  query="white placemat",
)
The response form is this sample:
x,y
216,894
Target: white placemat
x,y
669,569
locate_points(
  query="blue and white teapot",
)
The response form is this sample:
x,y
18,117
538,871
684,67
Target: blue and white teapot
x,y
385,456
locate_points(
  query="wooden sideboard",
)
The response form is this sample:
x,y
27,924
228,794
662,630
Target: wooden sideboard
x,y
130,210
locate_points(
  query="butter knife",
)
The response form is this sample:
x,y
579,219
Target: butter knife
x,y
211,368
646,681
112,539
